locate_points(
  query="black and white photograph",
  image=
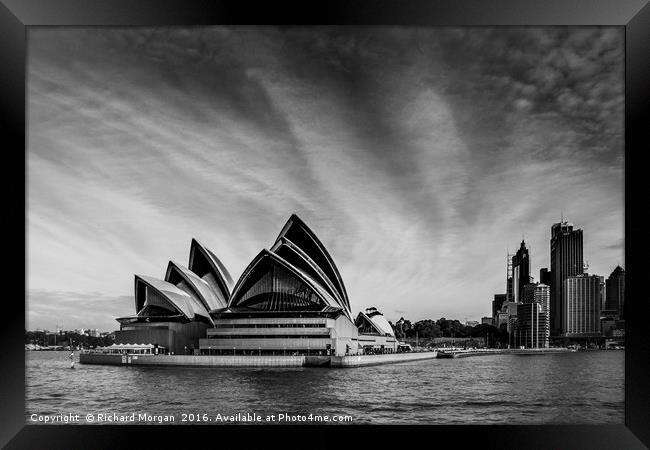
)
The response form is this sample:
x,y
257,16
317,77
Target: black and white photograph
x,y
325,225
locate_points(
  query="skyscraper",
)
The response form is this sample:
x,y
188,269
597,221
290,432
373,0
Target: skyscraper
x,y
545,276
566,261
583,296
615,291
509,293
532,329
520,271
532,326
511,309
529,293
497,303
542,296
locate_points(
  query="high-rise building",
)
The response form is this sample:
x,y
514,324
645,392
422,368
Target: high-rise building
x,y
532,329
542,296
583,296
502,315
615,291
520,271
566,261
511,309
608,322
545,276
497,303
537,293
529,293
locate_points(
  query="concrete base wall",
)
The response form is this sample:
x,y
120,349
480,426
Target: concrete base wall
x,y
367,360
317,361
251,361
90,358
193,361
512,351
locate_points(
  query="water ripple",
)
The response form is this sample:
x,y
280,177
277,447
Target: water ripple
x,y
581,388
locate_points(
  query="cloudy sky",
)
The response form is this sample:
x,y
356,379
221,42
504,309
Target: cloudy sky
x,y
419,156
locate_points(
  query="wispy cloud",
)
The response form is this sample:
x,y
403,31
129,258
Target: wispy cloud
x,y
417,155
73,310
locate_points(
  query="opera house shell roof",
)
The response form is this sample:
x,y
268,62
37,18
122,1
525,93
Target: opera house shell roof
x,y
296,274
186,294
374,322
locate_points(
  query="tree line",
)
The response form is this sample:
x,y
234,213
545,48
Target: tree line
x,y
429,329
66,338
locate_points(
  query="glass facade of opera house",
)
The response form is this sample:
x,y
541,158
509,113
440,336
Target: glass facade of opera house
x,y
290,300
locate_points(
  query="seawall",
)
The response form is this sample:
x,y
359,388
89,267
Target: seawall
x,y
368,360
250,360
512,351
194,361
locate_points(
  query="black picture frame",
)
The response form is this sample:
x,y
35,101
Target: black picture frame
x,y
633,15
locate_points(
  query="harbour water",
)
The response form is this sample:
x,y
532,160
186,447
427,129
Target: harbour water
x,y
572,388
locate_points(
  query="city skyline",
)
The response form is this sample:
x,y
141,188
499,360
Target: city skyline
x,y
419,156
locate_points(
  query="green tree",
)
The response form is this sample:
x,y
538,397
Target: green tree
x,y
427,329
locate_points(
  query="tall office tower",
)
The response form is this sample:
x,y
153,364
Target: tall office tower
x,y
615,291
528,295
532,326
520,271
497,303
566,261
545,276
583,296
511,309
537,293
509,293
542,296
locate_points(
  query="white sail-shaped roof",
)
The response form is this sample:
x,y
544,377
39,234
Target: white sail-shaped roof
x,y
261,264
380,321
165,295
377,322
207,266
185,279
298,258
296,231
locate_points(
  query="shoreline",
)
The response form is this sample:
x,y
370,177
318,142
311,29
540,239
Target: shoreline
x,y
252,360
296,361
504,351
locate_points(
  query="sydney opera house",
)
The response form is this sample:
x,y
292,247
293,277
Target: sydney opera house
x,y
290,300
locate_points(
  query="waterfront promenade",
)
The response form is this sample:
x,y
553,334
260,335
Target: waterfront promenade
x,y
251,360
461,353
298,361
